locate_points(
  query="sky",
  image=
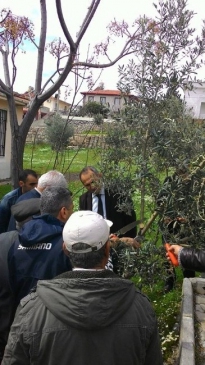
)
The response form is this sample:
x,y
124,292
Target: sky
x,y
74,12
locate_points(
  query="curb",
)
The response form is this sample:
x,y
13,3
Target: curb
x,y
187,340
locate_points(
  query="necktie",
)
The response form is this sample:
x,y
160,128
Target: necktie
x,y
100,205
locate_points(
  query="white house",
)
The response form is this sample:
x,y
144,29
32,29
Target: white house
x,y
55,104
113,99
195,100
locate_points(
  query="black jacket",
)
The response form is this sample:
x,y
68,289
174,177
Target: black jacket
x,y
119,219
193,259
7,307
84,318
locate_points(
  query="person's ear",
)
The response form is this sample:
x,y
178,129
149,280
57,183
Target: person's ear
x,y
21,183
66,252
63,213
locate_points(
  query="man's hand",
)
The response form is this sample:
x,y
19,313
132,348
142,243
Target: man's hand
x,y
115,240
174,249
130,242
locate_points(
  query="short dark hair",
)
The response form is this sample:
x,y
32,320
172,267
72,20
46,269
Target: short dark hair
x,y
53,199
86,169
87,260
24,174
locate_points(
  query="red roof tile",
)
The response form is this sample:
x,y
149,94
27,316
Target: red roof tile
x,y
103,92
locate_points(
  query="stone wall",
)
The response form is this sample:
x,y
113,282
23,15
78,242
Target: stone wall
x,y
37,133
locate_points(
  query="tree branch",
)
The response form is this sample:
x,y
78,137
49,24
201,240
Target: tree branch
x,y
6,69
6,16
4,89
111,63
91,11
41,48
48,93
64,27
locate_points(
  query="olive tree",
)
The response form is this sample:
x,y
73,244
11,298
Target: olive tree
x,y
154,136
58,134
155,132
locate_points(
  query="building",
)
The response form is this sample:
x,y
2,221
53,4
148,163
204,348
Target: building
x,y
113,99
52,105
195,100
5,132
55,104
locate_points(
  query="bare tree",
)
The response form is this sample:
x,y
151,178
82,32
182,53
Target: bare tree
x,y
17,29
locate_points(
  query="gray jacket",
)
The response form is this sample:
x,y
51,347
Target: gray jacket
x,y
84,318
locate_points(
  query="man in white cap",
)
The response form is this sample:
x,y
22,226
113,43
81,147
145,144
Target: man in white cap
x,y
87,316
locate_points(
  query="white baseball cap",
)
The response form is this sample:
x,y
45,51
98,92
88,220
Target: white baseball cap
x,y
87,227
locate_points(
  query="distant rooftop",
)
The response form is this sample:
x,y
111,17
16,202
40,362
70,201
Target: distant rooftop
x,y
99,91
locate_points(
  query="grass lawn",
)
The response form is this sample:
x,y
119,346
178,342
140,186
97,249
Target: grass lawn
x,y
4,189
41,158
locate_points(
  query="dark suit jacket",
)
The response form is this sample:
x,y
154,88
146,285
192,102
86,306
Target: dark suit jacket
x,y
119,219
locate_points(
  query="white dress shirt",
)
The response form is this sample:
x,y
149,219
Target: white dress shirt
x,y
95,202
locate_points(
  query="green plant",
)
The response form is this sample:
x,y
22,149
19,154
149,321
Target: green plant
x,y
58,133
93,108
4,189
98,119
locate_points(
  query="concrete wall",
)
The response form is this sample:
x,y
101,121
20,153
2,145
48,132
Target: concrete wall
x,y
195,100
6,160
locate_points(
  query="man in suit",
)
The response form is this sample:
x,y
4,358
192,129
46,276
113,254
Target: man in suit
x,y
99,200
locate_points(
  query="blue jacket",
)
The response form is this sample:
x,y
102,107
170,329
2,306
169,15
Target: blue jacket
x,y
5,209
31,194
36,255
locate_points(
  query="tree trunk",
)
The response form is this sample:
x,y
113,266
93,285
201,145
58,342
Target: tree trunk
x,y
143,180
17,149
18,137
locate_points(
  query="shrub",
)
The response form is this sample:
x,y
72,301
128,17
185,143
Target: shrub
x,y
58,132
93,108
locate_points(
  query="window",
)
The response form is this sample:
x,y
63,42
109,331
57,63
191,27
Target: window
x,y
3,119
117,101
90,98
102,100
202,110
